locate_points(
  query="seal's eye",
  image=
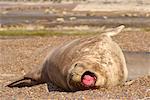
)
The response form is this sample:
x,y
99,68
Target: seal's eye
x,y
79,65
88,79
75,65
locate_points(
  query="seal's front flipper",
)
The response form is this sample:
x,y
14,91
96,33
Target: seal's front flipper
x,y
32,78
138,64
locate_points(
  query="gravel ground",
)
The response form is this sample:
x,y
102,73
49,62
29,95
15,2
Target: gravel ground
x,y
18,55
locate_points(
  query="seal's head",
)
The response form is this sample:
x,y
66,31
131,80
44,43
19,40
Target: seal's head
x,y
98,62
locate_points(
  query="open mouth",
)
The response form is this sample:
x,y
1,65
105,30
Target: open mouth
x,y
88,79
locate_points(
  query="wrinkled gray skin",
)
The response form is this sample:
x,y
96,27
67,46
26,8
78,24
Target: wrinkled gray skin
x,y
66,64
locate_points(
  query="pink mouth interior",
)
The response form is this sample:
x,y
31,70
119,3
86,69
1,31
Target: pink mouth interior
x,y
88,79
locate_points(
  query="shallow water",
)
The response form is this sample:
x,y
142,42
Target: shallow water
x,y
138,64
20,17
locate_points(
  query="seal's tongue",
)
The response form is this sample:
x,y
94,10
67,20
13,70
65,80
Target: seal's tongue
x,y
88,80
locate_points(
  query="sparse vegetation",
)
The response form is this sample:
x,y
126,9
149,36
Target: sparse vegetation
x,y
43,33
146,29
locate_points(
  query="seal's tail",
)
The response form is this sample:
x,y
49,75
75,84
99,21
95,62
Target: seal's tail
x,y
114,31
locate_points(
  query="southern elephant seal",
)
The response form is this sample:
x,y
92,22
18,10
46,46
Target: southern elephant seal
x,y
85,63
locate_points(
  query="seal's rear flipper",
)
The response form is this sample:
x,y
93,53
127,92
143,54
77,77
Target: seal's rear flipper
x,y
114,31
32,78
